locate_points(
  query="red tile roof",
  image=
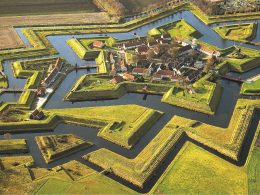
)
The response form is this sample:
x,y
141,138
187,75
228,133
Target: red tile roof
x,y
98,44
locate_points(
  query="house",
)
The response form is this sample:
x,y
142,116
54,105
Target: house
x,y
128,77
116,80
142,50
163,74
132,44
140,71
208,51
36,115
98,44
164,36
163,41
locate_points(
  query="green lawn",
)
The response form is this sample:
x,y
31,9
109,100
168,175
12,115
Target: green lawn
x,y
196,171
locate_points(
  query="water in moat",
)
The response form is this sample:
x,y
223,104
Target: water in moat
x,y
221,118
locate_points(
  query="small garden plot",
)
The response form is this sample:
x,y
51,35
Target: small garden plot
x,y
13,146
57,146
242,32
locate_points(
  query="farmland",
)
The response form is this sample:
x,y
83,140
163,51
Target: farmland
x,y
38,7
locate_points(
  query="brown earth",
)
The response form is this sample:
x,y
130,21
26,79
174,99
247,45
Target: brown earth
x,y
9,38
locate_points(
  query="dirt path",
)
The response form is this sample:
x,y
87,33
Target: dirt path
x,y
9,38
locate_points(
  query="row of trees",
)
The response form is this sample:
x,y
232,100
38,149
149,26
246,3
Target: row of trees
x,y
152,6
113,7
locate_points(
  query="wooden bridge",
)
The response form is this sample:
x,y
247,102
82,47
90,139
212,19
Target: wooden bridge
x,y
235,79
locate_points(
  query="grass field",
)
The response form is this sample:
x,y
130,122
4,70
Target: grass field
x,y
196,171
27,7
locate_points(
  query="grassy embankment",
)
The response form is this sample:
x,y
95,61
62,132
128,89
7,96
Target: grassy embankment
x,y
251,60
134,121
54,147
84,49
238,32
122,125
251,88
197,171
193,168
13,146
140,169
227,141
98,87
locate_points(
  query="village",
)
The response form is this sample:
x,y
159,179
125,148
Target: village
x,y
158,58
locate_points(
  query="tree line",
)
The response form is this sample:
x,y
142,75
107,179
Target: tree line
x,y
112,7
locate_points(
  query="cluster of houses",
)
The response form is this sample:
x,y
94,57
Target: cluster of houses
x,y
145,60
